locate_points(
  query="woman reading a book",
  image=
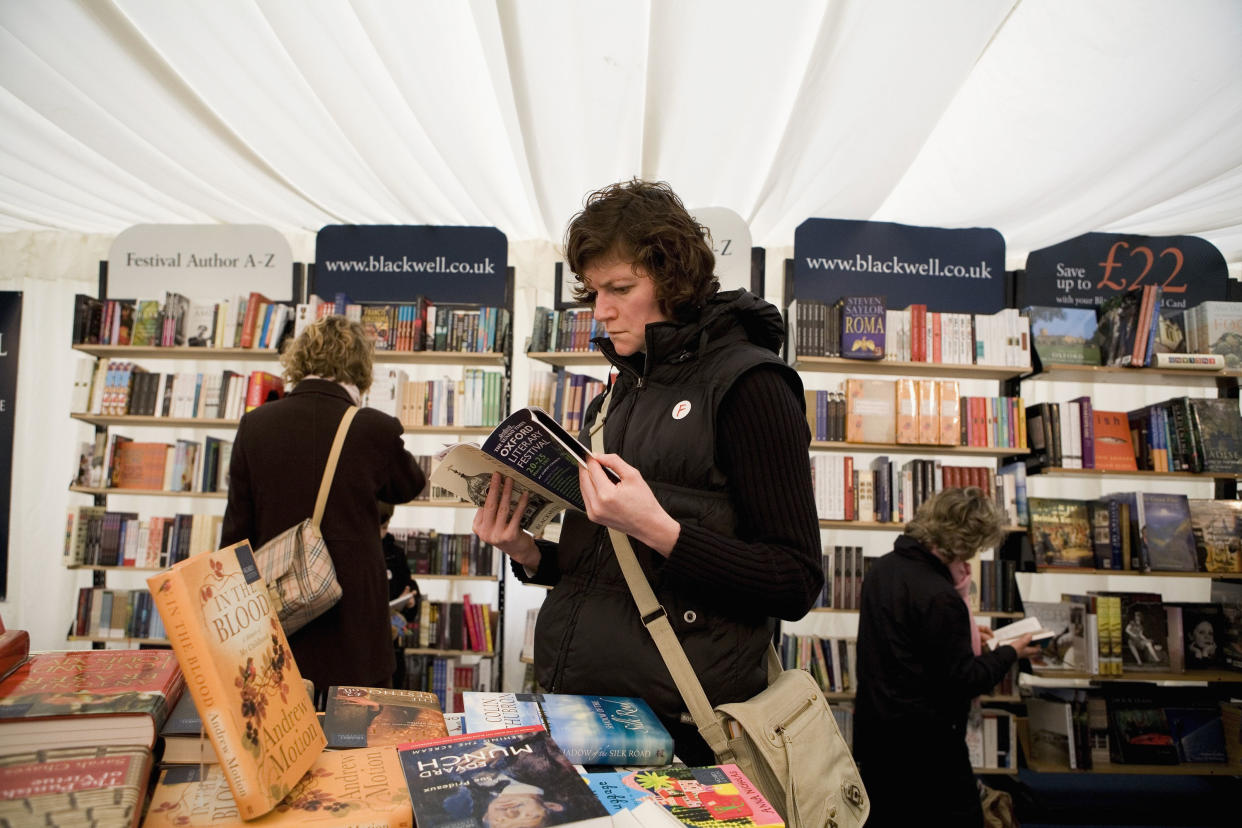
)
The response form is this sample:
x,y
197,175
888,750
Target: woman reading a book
x,y
706,430
278,458
920,664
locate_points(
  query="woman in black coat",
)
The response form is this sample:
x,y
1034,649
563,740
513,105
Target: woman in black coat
x,y
278,458
921,663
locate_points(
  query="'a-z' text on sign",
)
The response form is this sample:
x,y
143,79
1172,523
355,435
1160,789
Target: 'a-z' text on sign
x,y
400,262
1085,271
946,270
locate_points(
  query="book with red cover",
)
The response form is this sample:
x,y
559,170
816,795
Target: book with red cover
x,y
87,698
75,786
1112,447
14,649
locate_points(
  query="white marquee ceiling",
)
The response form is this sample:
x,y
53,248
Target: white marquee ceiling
x,y
1042,119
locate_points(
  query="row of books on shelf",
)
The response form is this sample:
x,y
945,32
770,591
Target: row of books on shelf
x,y
564,395
992,740
451,625
890,491
95,536
255,321
117,461
1181,434
120,387
1126,723
447,678
116,614
1137,531
430,552
564,331
915,412
863,327
831,660
992,588
1116,633
478,397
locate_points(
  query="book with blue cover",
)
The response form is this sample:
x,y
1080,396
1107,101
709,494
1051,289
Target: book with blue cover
x,y
862,327
590,730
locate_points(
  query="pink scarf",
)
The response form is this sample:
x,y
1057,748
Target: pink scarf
x,y
960,570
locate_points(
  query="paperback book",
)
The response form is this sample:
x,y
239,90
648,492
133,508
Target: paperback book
x,y
481,779
61,786
589,730
715,796
362,786
1060,531
528,447
1228,595
374,716
88,698
1217,528
241,673
1064,335
862,327
1165,532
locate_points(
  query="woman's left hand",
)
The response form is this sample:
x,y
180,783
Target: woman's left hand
x,y
628,506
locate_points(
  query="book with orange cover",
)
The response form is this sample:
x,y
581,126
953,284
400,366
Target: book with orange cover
x,y
950,413
929,421
105,785
261,387
375,716
88,697
871,411
240,672
140,465
1113,448
907,412
362,786
255,304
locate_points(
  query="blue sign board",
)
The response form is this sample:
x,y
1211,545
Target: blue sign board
x,y
399,263
946,270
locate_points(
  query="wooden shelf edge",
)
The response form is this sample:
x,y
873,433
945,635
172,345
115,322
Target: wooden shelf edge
x,y
435,652
1057,471
882,366
100,640
182,352
1211,676
1183,769
1078,570
920,448
432,576
97,490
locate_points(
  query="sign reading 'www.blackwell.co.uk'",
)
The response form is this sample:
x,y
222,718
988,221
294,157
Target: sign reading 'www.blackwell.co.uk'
x,y
946,270
398,263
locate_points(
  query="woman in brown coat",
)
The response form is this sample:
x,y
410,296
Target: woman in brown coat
x,y
278,458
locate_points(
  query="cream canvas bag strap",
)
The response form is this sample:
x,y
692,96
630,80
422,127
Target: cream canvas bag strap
x,y
655,619
329,471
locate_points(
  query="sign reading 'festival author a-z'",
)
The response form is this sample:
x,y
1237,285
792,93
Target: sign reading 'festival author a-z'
x,y
946,270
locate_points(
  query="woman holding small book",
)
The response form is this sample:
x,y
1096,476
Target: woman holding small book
x,y
921,663
706,430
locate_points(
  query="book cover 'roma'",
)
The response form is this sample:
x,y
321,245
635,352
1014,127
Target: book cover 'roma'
x,y
241,673
363,786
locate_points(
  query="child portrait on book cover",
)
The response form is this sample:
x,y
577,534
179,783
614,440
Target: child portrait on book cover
x,y
707,432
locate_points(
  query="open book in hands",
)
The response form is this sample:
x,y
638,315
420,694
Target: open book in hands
x,y
530,448
1010,633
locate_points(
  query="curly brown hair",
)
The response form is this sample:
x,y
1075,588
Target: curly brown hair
x,y
959,522
334,348
645,223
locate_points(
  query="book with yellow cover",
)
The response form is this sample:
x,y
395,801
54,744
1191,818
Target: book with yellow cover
x,y
241,673
363,786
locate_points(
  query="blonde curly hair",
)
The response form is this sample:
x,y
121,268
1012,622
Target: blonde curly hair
x,y
334,348
958,522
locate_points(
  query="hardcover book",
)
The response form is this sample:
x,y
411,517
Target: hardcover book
x,y
871,411
589,730
375,716
530,448
1203,632
241,673
1112,448
1217,528
1058,650
1060,532
1138,731
1228,595
715,796
1165,532
185,740
1197,732
1219,426
482,779
862,327
1063,335
1144,633
105,785
359,787
88,698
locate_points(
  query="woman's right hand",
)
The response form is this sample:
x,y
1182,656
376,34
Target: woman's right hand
x,y
1025,648
494,524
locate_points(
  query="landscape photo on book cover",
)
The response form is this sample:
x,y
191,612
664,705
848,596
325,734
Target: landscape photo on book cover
x,y
1064,335
530,448
479,779
373,716
589,729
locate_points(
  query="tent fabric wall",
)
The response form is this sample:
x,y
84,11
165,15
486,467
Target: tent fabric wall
x,y
1044,120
